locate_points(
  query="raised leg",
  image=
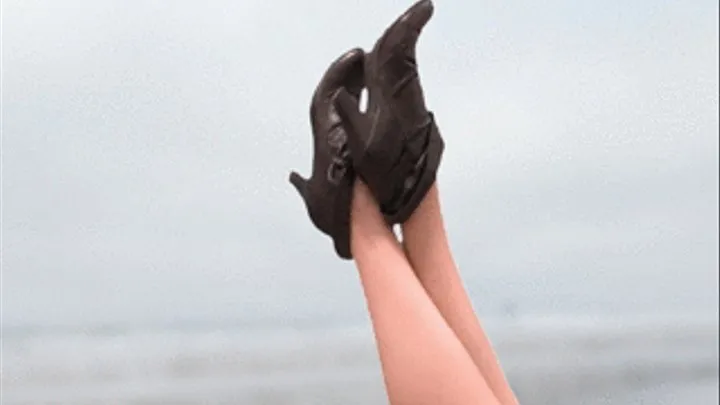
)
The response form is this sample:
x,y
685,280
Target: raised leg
x,y
423,361
427,248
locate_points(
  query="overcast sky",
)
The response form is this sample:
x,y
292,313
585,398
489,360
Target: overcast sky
x,y
146,148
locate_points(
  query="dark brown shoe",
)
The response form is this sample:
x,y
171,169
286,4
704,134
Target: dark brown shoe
x,y
395,146
328,192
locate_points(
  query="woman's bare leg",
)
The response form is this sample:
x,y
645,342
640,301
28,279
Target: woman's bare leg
x,y
423,362
428,251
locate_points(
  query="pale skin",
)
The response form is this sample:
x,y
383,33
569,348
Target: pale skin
x,y
428,251
423,359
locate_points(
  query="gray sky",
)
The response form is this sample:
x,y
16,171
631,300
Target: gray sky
x,y
145,169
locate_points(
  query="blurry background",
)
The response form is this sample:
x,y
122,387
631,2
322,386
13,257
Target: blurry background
x,y
154,252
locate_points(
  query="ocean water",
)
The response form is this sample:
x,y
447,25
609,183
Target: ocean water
x,y
549,360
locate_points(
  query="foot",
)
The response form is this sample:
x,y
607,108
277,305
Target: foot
x,y
396,146
328,192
